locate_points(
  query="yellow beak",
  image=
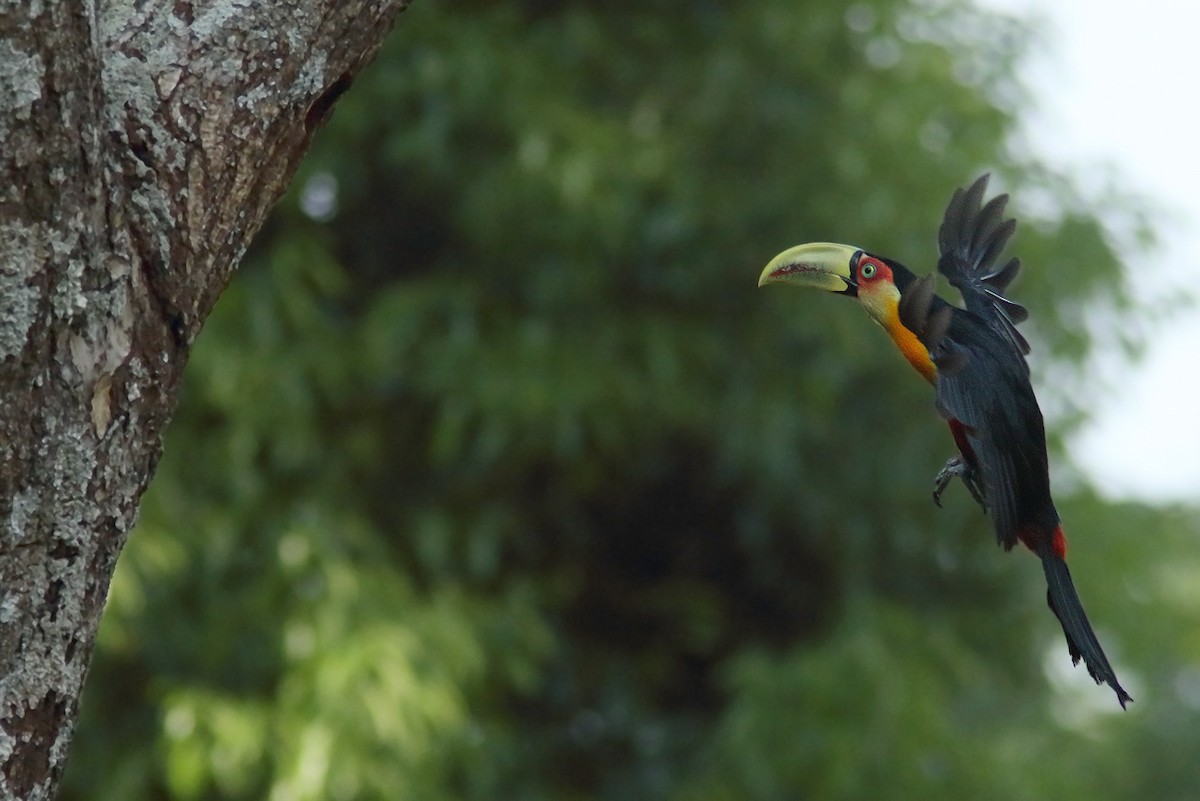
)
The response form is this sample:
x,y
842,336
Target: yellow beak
x,y
818,265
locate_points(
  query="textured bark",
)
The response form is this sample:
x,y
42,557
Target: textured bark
x,y
141,146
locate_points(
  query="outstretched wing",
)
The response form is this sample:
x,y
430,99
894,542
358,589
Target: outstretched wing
x,y
969,242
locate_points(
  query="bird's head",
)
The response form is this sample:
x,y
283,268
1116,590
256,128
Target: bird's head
x,y
877,283
844,270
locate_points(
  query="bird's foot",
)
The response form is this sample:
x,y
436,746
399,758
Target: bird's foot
x,y
970,478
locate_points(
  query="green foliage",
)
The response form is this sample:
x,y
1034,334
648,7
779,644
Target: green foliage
x,y
495,477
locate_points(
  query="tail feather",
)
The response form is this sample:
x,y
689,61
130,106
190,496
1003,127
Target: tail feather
x,y
1081,640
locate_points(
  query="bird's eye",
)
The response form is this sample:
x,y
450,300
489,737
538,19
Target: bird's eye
x,y
868,270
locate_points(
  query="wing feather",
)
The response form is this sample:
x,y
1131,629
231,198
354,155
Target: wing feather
x,y
970,240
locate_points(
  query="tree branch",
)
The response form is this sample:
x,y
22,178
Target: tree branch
x,y
143,145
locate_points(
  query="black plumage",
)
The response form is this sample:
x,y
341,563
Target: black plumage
x,y
983,388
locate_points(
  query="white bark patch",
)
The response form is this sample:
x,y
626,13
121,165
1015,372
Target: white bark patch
x,y
105,349
219,19
102,405
24,507
22,254
311,79
20,79
166,81
96,355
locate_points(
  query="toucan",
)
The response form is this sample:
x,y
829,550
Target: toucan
x,y
974,357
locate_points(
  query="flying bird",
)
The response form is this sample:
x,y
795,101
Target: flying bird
x,y
975,359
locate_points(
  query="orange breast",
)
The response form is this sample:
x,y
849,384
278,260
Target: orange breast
x,y
911,347
881,300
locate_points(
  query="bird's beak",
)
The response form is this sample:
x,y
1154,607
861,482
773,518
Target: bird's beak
x,y
819,265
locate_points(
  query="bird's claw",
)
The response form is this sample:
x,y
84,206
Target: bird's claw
x,y
957,467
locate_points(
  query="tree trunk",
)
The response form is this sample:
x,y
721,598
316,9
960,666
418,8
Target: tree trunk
x,y
141,146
